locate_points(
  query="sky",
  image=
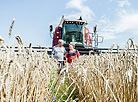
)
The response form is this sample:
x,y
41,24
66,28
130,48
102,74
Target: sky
x,y
117,20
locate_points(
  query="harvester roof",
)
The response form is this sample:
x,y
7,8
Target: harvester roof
x,y
74,21
66,21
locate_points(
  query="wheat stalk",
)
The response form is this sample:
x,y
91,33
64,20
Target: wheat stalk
x,y
10,31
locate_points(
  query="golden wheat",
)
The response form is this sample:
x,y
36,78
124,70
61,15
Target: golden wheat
x,y
108,77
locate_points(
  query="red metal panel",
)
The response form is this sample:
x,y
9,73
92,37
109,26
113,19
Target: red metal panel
x,y
57,36
87,37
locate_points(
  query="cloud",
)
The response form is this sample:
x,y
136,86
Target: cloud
x,y
83,10
128,22
123,3
125,23
106,28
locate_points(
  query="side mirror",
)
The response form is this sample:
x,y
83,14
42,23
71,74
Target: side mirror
x,y
51,28
95,29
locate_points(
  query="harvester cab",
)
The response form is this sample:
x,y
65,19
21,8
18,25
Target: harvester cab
x,y
77,32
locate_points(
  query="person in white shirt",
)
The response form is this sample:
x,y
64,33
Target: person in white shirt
x,y
58,52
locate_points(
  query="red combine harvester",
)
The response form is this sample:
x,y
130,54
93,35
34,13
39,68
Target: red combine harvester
x,y
77,32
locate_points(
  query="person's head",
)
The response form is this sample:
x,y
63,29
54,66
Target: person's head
x,y
72,46
60,42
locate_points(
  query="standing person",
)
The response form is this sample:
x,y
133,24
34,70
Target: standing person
x,y
58,53
73,54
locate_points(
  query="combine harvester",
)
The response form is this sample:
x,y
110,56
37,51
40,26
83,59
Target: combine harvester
x,y
77,32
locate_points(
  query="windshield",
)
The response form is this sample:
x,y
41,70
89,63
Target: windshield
x,y
73,33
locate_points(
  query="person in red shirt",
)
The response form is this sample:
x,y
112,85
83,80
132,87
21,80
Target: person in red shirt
x,y
73,54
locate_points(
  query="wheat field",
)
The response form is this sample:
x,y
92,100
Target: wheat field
x,y
27,76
